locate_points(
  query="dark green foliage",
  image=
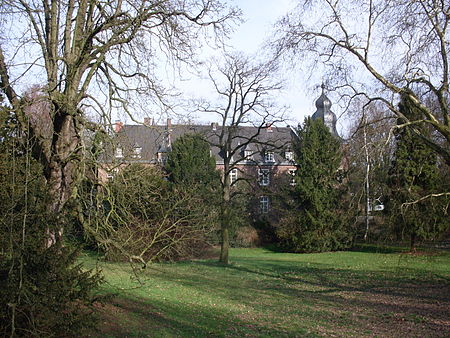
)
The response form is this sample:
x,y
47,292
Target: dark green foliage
x,y
43,292
190,166
46,291
414,175
190,162
314,220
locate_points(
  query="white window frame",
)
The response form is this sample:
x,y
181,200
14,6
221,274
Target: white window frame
x,y
118,153
233,175
292,176
269,156
264,204
289,155
162,158
137,152
248,155
264,177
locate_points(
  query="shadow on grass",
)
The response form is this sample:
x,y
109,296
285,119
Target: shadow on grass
x,y
378,248
275,297
158,318
360,247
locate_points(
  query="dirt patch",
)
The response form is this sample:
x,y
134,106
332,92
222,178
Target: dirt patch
x,y
121,316
410,311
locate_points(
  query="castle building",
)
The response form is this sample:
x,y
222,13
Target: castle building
x,y
264,154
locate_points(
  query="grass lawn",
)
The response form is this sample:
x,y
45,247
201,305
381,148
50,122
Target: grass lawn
x,y
269,294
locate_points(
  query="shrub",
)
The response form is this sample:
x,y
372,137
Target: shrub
x,y
43,291
140,216
247,237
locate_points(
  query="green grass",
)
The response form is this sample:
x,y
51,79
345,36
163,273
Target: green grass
x,y
269,294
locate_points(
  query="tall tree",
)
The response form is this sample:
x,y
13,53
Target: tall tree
x,y
94,55
191,165
314,220
190,162
414,175
244,90
398,51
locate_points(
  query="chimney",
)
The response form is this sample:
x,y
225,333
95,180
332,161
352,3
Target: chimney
x,y
169,133
148,121
118,125
269,127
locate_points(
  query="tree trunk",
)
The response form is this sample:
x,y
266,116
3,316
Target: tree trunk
x,y
413,238
61,168
225,221
224,248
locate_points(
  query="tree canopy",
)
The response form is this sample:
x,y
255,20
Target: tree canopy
x,y
397,52
95,56
314,220
190,162
414,174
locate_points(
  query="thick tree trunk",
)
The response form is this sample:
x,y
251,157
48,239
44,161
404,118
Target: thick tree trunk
x,y
61,168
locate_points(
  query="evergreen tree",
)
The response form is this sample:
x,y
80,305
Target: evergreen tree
x,y
44,291
190,164
313,221
415,174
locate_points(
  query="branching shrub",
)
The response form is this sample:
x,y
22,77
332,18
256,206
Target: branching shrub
x,y
247,237
139,216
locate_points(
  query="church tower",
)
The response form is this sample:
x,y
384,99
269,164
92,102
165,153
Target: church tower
x,y
323,112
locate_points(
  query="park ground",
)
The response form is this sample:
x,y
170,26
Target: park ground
x,y
367,292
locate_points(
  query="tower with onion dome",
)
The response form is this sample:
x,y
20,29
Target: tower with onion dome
x,y
324,113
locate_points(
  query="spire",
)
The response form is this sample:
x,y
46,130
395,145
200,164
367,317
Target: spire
x,y
323,112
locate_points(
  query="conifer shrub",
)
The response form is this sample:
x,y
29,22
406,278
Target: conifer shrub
x,y
44,292
315,216
415,174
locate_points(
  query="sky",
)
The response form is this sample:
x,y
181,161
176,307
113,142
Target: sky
x,y
259,18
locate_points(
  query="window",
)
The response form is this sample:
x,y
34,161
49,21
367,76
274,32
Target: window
x,y
233,176
264,204
289,155
162,158
137,152
119,152
263,176
248,154
292,178
268,156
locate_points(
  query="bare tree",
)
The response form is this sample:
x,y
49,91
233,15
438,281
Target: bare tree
x,y
91,50
370,151
245,107
384,50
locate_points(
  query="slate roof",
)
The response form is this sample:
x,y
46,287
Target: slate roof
x,y
157,138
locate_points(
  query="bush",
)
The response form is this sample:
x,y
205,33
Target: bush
x,y
43,292
247,237
140,216
46,293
